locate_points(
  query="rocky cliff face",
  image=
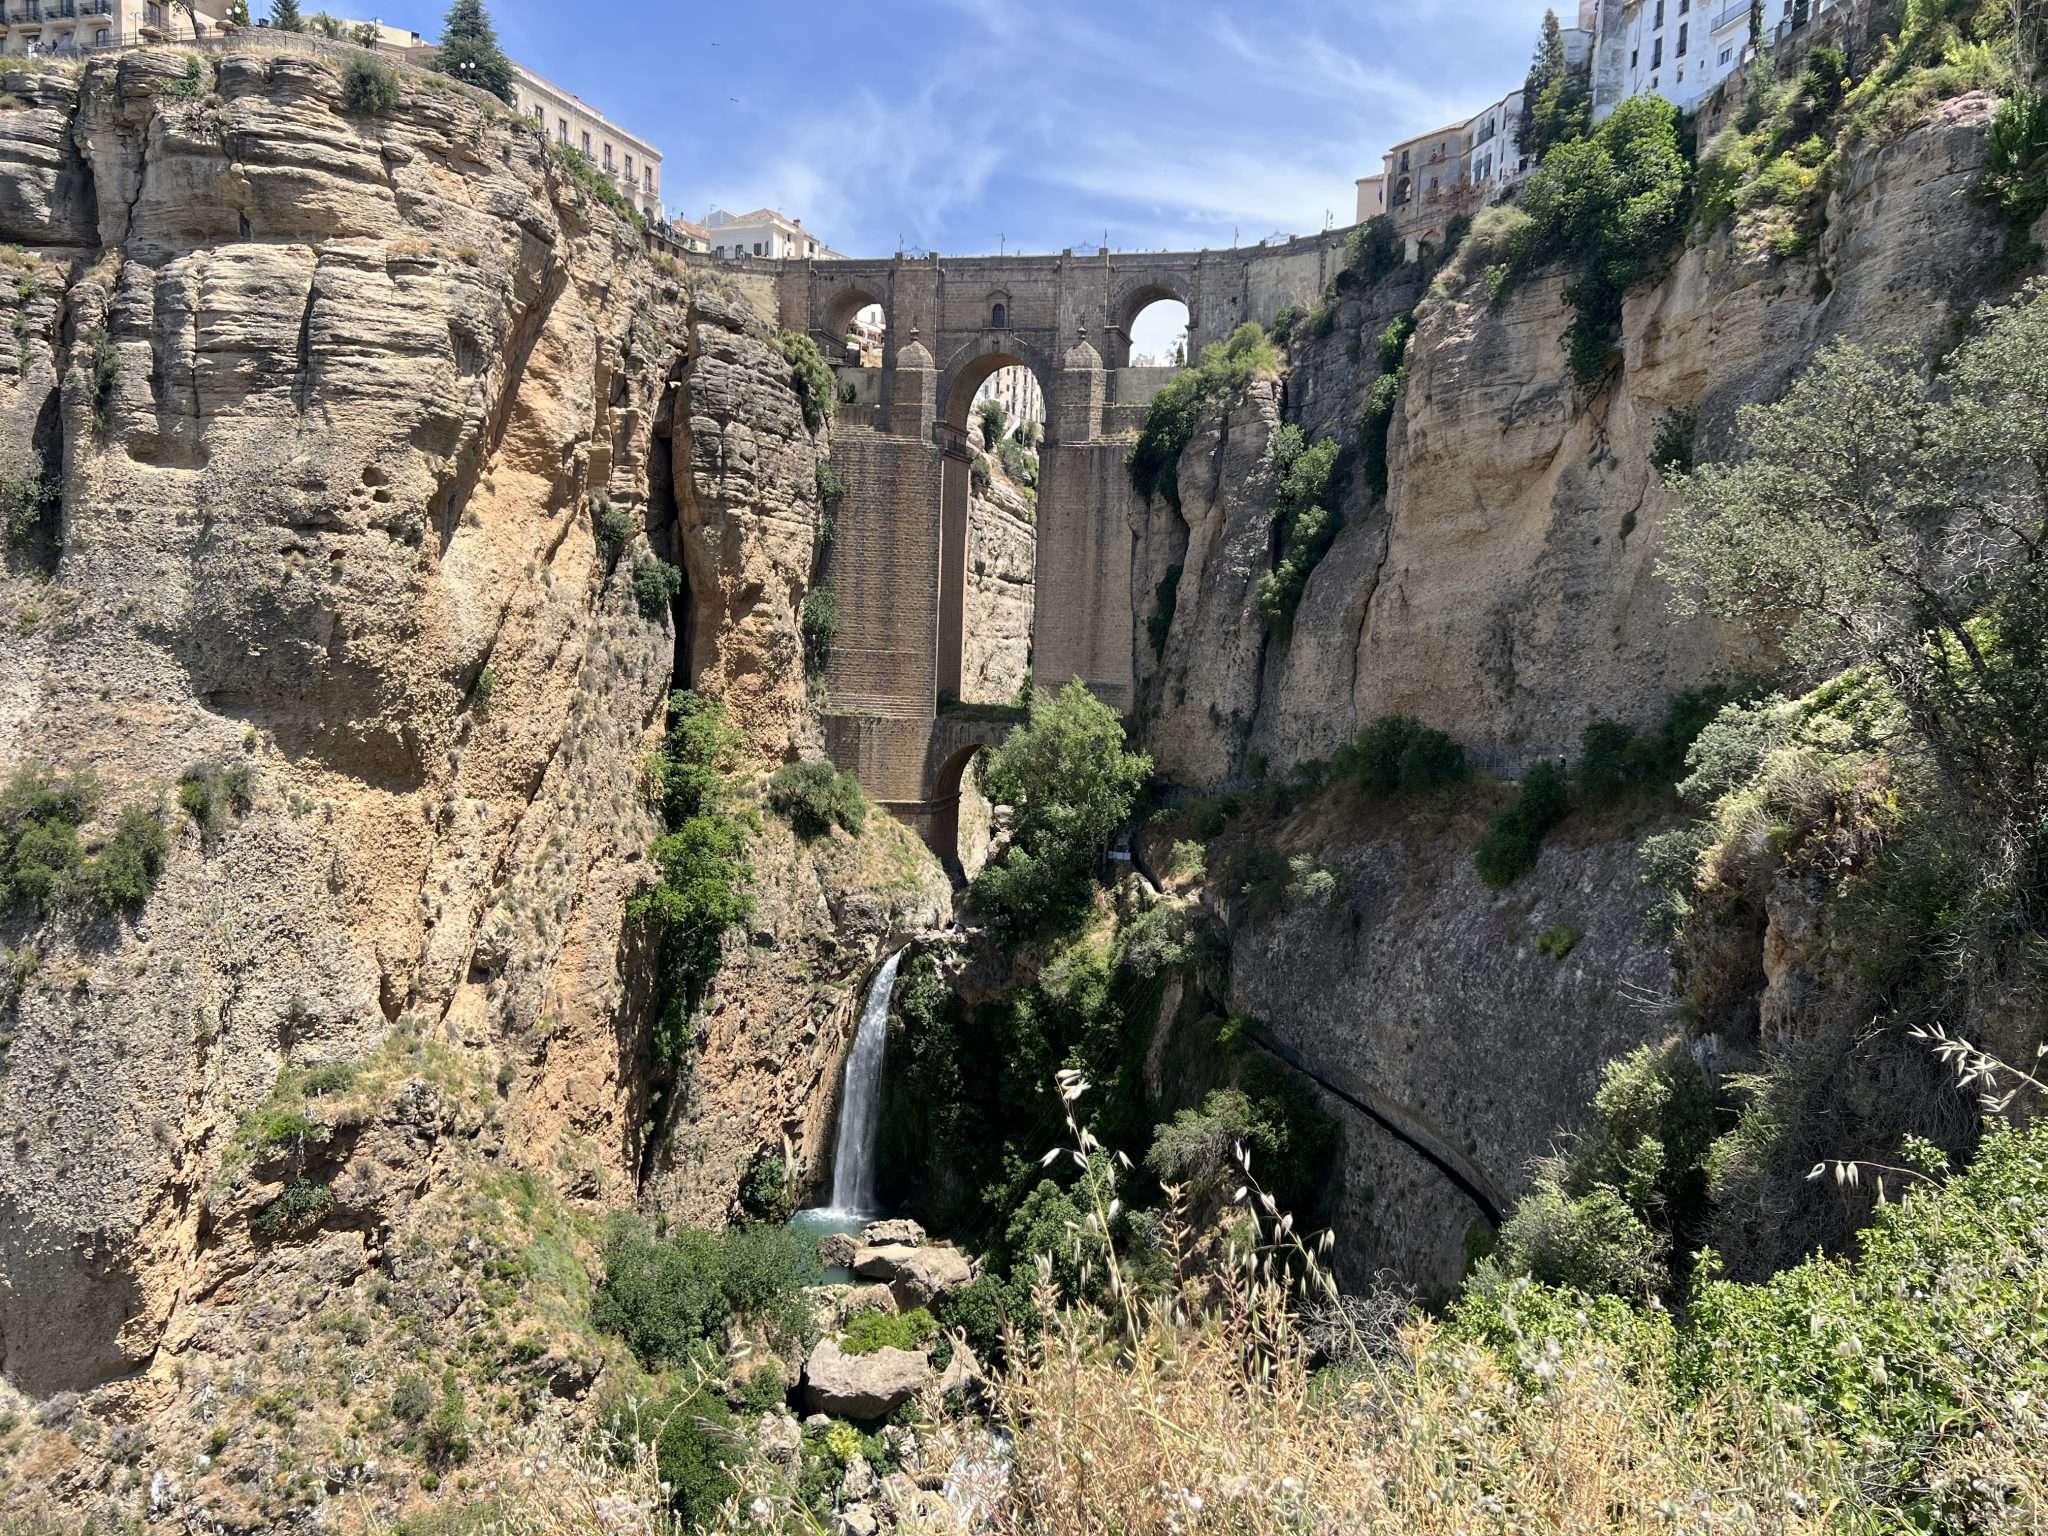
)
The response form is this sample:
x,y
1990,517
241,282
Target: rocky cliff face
x,y
1505,590
1506,587
1002,546
344,411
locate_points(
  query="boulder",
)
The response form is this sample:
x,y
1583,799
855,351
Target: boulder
x,y
865,1298
857,1520
883,1261
962,1372
781,1439
864,1387
928,1273
859,1480
899,1229
836,1250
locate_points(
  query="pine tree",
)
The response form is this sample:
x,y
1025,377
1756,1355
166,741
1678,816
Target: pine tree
x,y
1556,99
284,16
469,50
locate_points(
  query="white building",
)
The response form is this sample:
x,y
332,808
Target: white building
x,y
765,233
1372,197
632,164
1671,48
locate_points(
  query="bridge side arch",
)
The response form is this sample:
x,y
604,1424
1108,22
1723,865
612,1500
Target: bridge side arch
x,y
1132,297
972,363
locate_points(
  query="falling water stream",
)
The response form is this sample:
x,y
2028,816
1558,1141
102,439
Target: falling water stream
x,y
860,1100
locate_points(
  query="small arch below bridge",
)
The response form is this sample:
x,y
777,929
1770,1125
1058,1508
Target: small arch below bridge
x,y
958,823
1137,298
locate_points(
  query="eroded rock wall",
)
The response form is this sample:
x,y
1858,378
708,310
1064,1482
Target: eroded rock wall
x,y
336,403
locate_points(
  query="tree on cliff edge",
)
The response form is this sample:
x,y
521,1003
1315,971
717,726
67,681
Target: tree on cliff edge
x,y
284,16
1556,98
469,50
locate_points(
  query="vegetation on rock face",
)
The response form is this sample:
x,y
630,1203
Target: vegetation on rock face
x,y
213,793
819,623
810,376
584,174
1071,784
1608,206
671,1298
1308,477
703,867
1225,367
655,585
1557,99
1398,753
469,51
816,797
370,86
45,863
1508,851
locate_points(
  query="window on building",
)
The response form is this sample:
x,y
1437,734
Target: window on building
x,y
1684,6
607,157
629,167
1726,55
562,129
1656,52
647,177
1659,19
101,37
586,143
757,247
1635,56
1680,49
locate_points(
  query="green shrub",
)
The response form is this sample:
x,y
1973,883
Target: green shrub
x,y
867,1332
104,372
1306,476
1671,449
702,863
1608,206
1374,424
2015,176
119,876
831,484
210,793
1398,753
370,86
1284,322
819,622
302,1206
670,1298
664,1296
1557,941
445,1437
993,420
412,1399
1019,462
1592,1242
765,1388
977,1310
765,1193
1070,785
1224,369
1371,251
25,502
816,797
1508,851
655,585
810,376
613,528
40,814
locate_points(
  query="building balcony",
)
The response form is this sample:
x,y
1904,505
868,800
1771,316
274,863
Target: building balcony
x,y
1736,12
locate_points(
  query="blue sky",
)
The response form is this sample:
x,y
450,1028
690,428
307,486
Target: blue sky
x,y
966,125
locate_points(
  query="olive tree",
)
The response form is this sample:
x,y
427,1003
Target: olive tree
x,y
1882,517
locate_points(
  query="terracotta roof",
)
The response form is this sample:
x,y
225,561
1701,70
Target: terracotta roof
x,y
694,231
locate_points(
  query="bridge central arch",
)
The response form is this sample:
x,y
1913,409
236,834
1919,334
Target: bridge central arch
x,y
964,373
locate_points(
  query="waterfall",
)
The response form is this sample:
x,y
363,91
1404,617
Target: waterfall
x,y
860,1099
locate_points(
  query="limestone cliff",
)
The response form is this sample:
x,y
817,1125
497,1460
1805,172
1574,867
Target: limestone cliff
x,y
1503,590
1505,587
368,431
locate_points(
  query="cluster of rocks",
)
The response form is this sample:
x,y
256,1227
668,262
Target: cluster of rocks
x,y
902,1271
868,1501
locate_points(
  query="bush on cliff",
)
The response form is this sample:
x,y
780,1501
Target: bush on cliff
x,y
810,376
1508,851
703,866
1398,753
1309,479
1070,785
670,1298
1224,369
370,86
1607,206
816,797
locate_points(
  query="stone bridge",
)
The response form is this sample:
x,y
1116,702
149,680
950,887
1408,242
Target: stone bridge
x,y
899,556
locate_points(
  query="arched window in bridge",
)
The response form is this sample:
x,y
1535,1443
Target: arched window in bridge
x,y
999,317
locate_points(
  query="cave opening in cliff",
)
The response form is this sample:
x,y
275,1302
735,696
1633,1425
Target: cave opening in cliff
x,y
665,523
